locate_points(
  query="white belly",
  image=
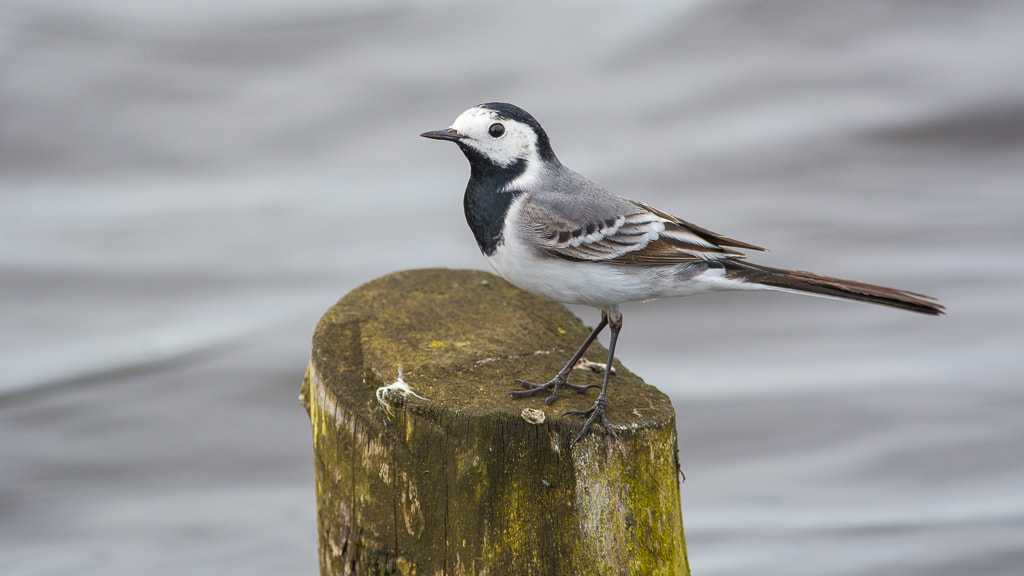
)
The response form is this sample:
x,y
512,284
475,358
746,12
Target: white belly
x,y
597,284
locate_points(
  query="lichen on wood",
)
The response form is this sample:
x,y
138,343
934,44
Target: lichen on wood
x,y
424,467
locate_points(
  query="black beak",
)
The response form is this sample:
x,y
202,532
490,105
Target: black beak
x,y
446,134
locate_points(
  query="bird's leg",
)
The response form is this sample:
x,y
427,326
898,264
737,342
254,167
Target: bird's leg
x,y
561,379
596,411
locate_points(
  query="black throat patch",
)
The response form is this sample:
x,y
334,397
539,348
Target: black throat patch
x,y
485,202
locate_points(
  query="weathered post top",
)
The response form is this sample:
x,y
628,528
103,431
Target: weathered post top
x,y
423,466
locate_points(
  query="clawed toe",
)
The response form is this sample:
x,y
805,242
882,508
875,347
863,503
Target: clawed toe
x,y
592,414
554,385
531,389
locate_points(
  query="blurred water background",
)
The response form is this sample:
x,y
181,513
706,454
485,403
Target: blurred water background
x,y
185,187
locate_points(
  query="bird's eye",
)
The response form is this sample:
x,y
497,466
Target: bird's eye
x,y
496,130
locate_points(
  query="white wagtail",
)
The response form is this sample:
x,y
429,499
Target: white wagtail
x,y
554,233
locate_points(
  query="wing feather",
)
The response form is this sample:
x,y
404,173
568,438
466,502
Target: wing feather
x,y
644,236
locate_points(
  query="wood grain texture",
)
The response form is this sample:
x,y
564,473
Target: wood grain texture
x,y
452,477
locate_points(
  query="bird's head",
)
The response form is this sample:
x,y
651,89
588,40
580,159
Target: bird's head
x,y
499,135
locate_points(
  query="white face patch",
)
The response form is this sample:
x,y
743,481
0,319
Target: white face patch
x,y
518,142
528,179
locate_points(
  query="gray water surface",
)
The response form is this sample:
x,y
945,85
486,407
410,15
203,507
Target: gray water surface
x,y
185,188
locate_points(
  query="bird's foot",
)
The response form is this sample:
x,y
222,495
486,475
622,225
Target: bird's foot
x,y
592,414
557,383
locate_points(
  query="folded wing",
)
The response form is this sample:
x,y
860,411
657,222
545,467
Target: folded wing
x,y
641,236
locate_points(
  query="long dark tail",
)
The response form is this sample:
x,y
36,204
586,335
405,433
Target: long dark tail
x,y
808,282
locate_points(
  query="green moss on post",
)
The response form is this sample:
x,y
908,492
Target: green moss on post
x,y
455,478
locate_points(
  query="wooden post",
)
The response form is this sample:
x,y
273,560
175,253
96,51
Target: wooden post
x,y
424,467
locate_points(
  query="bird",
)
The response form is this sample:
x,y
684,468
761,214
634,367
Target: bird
x,y
554,233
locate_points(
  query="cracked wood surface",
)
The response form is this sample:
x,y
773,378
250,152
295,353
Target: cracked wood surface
x,y
423,466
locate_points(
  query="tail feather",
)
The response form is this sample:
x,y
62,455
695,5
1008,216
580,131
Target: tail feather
x,y
807,282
